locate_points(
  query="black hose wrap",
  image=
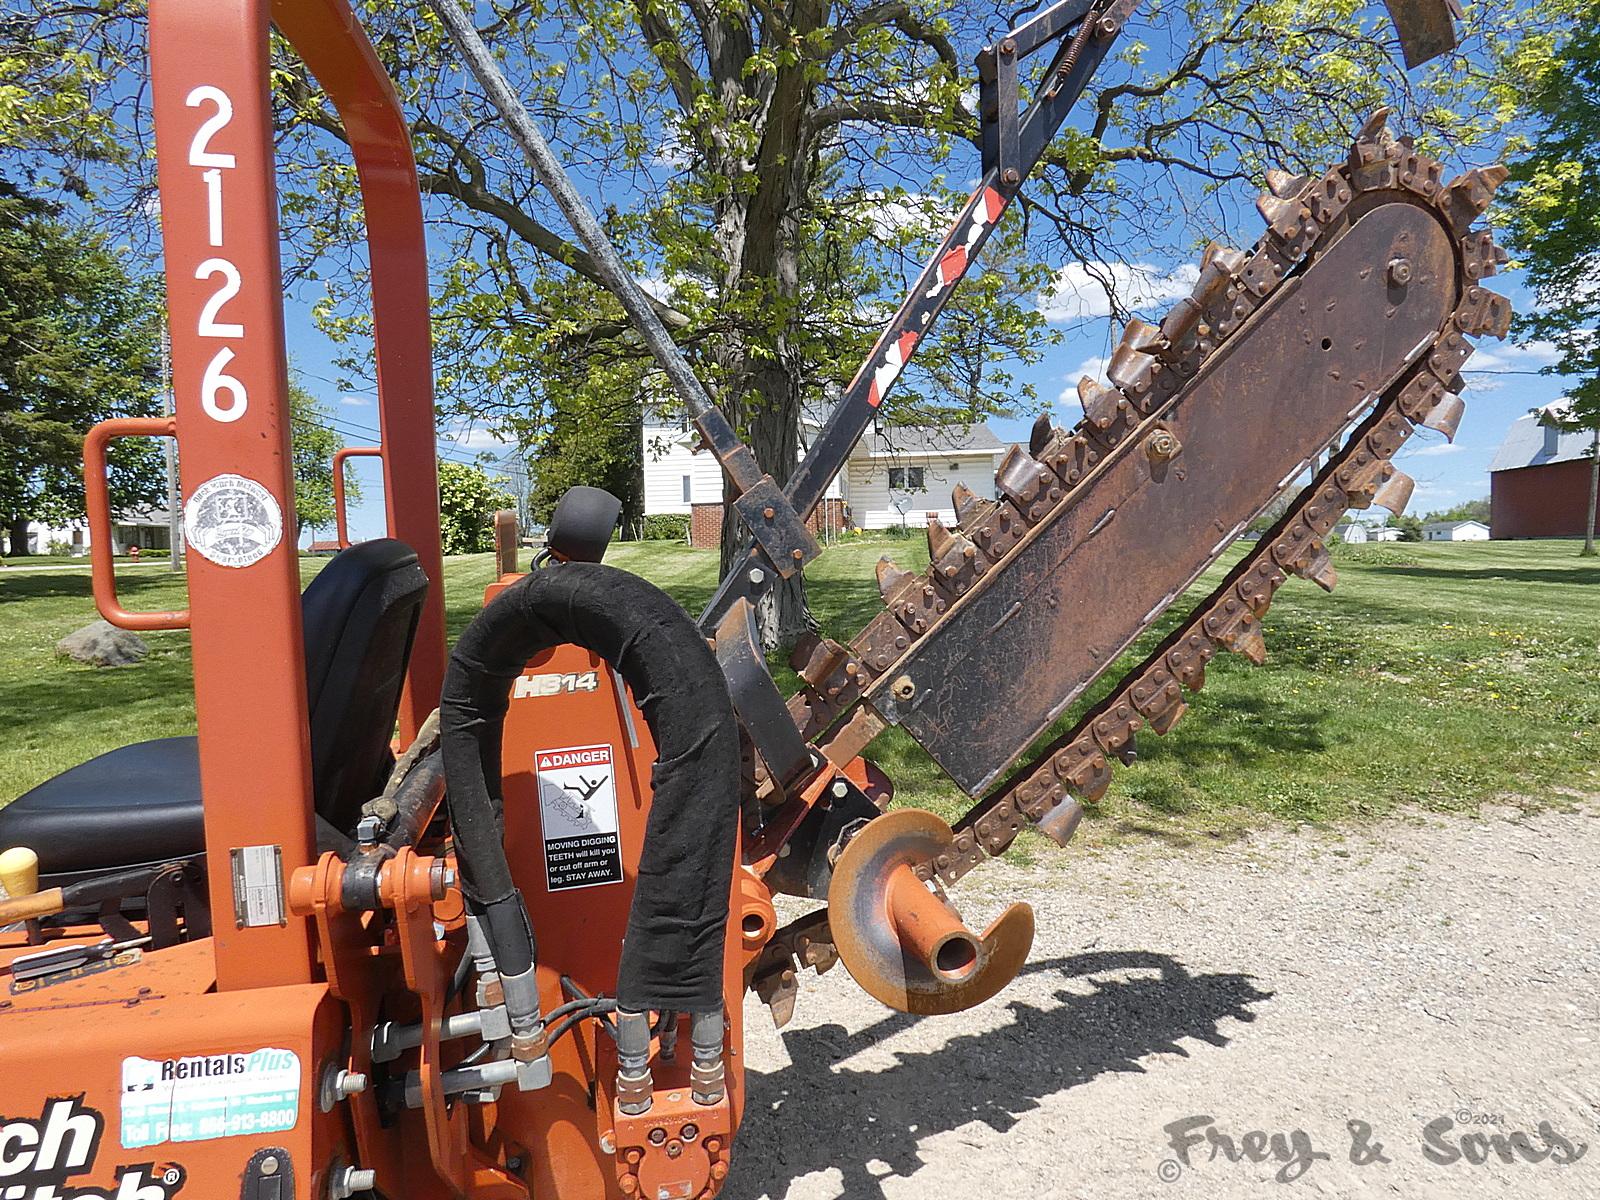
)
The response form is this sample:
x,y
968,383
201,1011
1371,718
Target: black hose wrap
x,y
673,951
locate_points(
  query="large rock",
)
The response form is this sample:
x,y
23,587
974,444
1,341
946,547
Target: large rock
x,y
102,644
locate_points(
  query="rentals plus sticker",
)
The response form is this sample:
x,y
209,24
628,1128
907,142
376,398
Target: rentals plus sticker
x,y
209,1096
578,817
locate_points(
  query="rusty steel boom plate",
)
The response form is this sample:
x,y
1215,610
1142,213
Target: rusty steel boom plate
x,y
1028,640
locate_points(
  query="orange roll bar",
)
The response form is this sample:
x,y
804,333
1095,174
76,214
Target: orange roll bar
x,y
97,502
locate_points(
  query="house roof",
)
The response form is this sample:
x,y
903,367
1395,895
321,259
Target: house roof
x,y
1529,444
1453,524
930,441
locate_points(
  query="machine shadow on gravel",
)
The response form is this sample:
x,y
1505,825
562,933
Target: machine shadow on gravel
x,y
1137,1004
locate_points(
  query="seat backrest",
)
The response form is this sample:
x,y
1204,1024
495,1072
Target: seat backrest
x,y
360,616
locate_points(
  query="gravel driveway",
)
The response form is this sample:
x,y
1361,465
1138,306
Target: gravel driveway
x,y
1403,987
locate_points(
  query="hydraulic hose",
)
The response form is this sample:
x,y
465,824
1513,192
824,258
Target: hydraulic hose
x,y
673,950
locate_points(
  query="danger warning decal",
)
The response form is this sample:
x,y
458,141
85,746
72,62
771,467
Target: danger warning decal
x,y
578,817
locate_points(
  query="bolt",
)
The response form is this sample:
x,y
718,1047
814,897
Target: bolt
x,y
1162,446
608,1142
769,512
629,1184
269,1165
367,831
1008,46
1011,175
841,789
690,1132
797,555
657,1136
756,576
674,1149
347,1182
903,688
514,1163
1399,271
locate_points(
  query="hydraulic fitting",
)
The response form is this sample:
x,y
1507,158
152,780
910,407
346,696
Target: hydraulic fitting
x,y
634,1083
707,1084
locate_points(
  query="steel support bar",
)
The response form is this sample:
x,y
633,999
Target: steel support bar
x,y
1069,72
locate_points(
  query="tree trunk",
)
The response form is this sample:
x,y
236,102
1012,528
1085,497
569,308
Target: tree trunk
x,y
1588,550
18,531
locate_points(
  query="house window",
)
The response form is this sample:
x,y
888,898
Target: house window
x,y
688,485
905,479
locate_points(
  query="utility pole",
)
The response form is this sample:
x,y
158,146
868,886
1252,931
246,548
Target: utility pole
x,y
169,405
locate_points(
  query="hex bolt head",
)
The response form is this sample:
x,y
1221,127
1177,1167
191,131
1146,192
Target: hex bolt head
x,y
1399,271
840,788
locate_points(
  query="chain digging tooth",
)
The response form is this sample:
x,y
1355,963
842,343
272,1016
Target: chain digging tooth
x,y
1283,216
1247,640
1130,369
1394,493
1039,436
1286,186
1445,416
1229,260
891,579
966,504
1375,129
1101,404
1029,484
1317,566
1467,196
1483,311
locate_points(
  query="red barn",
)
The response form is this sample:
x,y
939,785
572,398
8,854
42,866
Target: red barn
x,y
1539,482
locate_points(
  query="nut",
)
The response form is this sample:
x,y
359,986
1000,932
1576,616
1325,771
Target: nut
x,y
1399,271
1162,446
903,688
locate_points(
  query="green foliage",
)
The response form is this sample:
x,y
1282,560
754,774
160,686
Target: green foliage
x,y
313,447
1555,227
665,527
79,342
468,499
1410,527
1470,510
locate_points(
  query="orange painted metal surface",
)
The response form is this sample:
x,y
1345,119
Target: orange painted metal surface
x,y
580,930
97,503
340,515
209,69
84,1120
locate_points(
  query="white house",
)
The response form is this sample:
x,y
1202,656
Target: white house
x,y
1383,533
1351,533
896,475
147,529
1455,531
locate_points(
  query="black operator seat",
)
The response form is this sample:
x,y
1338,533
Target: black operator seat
x,y
140,804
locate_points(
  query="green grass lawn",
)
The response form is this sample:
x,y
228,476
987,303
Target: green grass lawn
x,y
1436,674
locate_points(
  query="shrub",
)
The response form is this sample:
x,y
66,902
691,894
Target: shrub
x,y
59,547
665,527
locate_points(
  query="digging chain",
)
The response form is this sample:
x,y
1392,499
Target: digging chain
x,y
1152,364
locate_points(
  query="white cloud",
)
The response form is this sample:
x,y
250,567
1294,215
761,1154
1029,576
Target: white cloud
x,y
1434,450
891,216
656,288
1526,357
1094,367
1084,290
351,401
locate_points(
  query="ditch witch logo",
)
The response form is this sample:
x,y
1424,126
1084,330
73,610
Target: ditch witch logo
x,y
37,1158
